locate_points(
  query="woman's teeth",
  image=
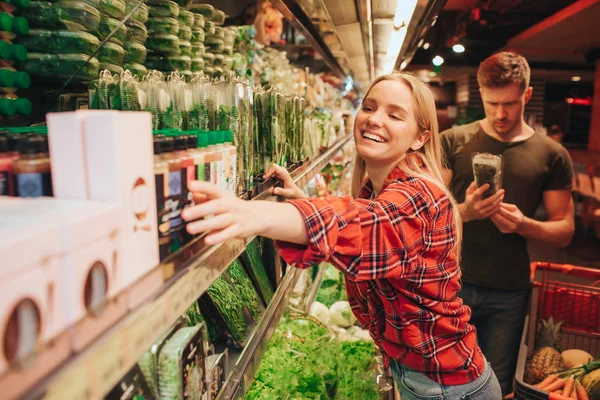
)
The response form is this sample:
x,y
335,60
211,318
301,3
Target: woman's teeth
x,y
372,137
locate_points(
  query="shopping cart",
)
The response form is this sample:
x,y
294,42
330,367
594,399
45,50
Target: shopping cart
x,y
570,294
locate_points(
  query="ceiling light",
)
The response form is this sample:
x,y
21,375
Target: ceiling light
x,y
426,46
404,12
458,48
426,79
421,43
434,21
394,46
575,78
437,61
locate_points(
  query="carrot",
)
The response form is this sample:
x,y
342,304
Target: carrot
x,y
558,392
558,384
509,396
581,393
568,387
556,396
549,380
574,395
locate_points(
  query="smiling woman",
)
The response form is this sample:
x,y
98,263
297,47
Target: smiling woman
x,y
395,240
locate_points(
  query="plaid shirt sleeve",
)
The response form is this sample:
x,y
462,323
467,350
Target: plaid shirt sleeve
x,y
369,239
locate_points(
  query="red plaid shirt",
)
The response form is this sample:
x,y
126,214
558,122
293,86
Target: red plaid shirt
x,y
402,276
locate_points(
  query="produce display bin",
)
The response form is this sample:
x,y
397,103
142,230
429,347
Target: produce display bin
x,y
567,293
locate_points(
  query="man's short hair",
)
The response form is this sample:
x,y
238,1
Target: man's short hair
x,y
502,69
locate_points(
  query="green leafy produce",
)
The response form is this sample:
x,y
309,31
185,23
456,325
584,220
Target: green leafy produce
x,y
107,25
64,41
255,264
218,61
186,17
185,33
198,20
197,64
209,28
198,35
163,8
111,53
163,44
135,53
218,17
137,70
179,63
204,9
141,14
132,97
113,8
136,32
178,375
231,307
107,92
61,66
246,289
224,117
185,48
214,44
168,25
112,68
65,15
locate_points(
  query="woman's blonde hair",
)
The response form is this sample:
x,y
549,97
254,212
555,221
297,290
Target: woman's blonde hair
x,y
431,152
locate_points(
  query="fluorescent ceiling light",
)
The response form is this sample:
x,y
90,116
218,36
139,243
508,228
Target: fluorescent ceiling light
x,y
404,12
576,78
437,61
458,48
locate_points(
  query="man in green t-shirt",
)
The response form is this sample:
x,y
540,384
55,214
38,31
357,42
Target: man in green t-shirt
x,y
535,169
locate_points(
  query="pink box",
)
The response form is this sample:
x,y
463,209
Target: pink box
x,y
120,169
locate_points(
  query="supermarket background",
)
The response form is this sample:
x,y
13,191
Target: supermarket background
x,y
104,295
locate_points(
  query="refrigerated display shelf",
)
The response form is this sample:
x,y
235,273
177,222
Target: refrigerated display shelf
x,y
186,275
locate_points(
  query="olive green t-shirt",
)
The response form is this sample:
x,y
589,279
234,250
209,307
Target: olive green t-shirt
x,y
530,167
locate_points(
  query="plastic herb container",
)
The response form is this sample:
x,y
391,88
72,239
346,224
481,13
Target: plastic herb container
x,y
136,32
209,59
60,41
186,17
111,53
136,69
197,64
218,60
218,72
218,17
229,37
214,44
187,74
140,15
205,9
112,68
112,8
185,48
185,33
172,63
198,35
66,15
163,44
198,20
135,53
209,28
208,71
181,365
107,25
228,51
227,63
157,25
198,49
219,32
163,8
61,66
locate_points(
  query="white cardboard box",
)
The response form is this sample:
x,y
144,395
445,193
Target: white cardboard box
x,y
120,169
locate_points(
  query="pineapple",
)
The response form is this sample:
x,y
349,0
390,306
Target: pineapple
x,y
546,359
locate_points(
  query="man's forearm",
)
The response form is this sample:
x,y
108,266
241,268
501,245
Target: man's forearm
x,y
282,221
555,233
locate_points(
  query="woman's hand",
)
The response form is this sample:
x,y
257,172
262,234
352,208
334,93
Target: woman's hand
x,y
230,217
290,190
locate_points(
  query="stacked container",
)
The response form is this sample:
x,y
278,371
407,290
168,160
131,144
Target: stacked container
x,y
11,28
164,43
62,39
135,43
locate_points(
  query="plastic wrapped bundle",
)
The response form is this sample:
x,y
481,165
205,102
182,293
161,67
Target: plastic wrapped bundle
x,y
174,117
46,41
112,8
107,25
158,96
163,8
132,97
246,289
141,14
163,25
112,68
111,53
65,15
137,70
61,66
487,169
135,53
185,48
136,32
104,94
163,44
185,33
186,18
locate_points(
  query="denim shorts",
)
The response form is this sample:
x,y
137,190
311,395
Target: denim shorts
x,y
413,385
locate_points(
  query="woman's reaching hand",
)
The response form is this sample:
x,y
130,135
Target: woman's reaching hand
x,y
290,190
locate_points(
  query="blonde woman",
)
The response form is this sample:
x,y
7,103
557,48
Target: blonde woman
x,y
395,239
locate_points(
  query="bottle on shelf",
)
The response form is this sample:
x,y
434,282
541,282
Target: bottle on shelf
x,y
161,177
11,53
6,168
11,26
22,106
199,155
11,80
230,164
214,158
32,176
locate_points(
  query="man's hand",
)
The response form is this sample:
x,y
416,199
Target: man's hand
x,y
509,219
290,190
475,207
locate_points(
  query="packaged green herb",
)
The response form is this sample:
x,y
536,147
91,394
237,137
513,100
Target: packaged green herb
x,y
106,92
197,64
111,53
112,68
165,25
46,41
65,15
186,18
185,48
135,53
214,44
216,366
136,32
112,8
137,70
163,8
133,386
107,25
205,9
218,17
163,44
198,20
158,96
133,98
174,116
141,14
252,261
224,309
244,286
61,66
185,33
181,366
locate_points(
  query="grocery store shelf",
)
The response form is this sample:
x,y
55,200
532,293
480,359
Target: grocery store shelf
x,y
246,363
186,275
312,295
292,11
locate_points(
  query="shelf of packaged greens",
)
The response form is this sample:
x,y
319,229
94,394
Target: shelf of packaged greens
x,y
185,276
245,364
